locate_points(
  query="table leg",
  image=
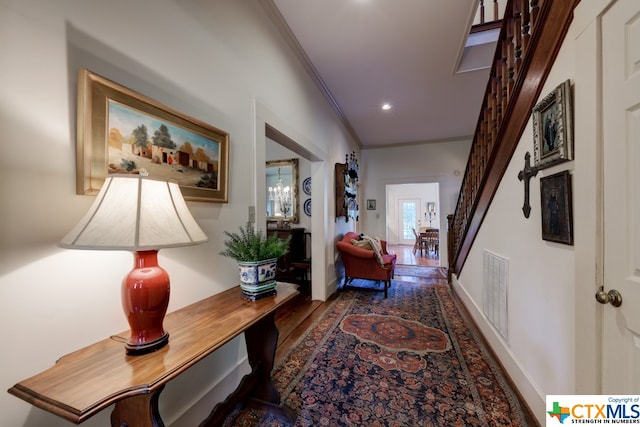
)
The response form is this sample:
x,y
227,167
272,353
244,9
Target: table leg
x,y
256,389
138,411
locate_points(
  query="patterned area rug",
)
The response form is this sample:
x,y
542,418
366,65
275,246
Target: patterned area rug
x,y
413,359
417,271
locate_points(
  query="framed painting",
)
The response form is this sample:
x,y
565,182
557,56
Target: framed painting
x,y
557,211
553,127
371,204
121,131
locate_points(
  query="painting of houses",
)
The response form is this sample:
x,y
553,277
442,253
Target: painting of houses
x,y
138,140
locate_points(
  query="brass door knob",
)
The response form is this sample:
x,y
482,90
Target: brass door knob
x,y
612,297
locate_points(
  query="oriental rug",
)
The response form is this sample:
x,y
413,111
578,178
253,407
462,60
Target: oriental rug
x,y
418,271
412,359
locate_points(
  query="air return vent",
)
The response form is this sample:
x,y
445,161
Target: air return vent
x,y
494,299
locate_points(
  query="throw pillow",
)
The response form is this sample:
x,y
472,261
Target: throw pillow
x,y
376,246
364,244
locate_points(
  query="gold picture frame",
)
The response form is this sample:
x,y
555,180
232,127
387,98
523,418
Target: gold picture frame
x,y
286,172
553,127
122,131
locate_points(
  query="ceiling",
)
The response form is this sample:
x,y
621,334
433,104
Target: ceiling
x,y
364,53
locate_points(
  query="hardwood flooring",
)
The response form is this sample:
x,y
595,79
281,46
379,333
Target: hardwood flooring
x,y
407,257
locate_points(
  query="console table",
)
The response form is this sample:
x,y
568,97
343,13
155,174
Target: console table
x,y
86,381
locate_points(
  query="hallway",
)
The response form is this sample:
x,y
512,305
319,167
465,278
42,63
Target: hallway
x,y
407,257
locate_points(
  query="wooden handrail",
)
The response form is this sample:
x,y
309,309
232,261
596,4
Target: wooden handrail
x,y
530,37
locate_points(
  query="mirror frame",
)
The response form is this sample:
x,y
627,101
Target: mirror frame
x,y
294,217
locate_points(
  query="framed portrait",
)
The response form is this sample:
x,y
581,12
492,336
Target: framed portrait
x,y
553,127
121,131
556,207
371,204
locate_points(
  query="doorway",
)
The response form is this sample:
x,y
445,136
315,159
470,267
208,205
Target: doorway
x,y
427,209
408,216
413,206
619,292
269,125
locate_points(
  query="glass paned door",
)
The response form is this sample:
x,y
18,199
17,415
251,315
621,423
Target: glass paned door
x,y
409,214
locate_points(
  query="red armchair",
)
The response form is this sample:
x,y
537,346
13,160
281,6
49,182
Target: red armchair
x,y
361,263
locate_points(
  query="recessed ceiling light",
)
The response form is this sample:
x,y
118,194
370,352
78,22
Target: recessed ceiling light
x,y
386,106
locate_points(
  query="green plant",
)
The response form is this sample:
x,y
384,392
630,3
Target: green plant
x,y
250,245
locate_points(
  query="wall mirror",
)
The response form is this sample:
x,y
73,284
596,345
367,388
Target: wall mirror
x,y
282,190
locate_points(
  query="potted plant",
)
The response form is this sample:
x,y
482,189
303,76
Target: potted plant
x,y
257,256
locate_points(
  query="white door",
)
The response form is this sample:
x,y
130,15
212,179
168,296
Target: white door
x,y
621,139
409,215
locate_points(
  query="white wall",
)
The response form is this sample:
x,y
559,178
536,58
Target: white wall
x,y
214,60
441,162
551,347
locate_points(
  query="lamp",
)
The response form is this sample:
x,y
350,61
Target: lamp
x,y
141,214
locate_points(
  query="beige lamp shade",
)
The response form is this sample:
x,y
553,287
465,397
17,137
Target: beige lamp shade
x,y
136,213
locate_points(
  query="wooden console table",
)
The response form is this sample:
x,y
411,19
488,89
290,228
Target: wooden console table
x,y
84,382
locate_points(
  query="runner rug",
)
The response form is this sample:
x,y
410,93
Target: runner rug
x,y
418,271
412,359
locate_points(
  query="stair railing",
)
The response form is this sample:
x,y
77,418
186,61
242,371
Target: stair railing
x,y
530,37
480,23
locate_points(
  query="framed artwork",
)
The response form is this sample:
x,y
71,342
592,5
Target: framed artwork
x,y
556,207
122,131
371,204
553,127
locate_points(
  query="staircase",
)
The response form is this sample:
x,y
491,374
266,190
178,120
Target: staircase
x,y
531,34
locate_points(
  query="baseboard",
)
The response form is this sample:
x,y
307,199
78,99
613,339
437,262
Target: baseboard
x,y
332,287
528,390
199,407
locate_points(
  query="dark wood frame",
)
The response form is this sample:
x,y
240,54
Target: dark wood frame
x,y
553,127
371,204
93,136
557,208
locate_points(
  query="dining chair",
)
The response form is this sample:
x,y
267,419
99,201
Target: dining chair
x,y
420,242
432,240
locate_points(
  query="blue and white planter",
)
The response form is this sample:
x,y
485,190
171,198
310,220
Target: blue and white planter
x,y
258,279
258,273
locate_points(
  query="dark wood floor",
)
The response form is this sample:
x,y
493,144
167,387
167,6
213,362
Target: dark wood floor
x,y
294,319
406,256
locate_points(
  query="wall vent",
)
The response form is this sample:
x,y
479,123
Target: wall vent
x,y
494,298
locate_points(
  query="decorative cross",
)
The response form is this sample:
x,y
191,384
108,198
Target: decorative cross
x,y
526,174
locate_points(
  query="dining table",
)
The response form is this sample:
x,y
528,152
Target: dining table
x,y
430,237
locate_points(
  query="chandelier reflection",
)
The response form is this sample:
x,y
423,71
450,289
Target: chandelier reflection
x,y
280,195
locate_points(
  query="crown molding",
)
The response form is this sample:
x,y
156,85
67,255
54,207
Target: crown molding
x,y
290,38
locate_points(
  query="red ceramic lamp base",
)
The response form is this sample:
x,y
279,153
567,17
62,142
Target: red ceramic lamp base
x,y
145,298
147,347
